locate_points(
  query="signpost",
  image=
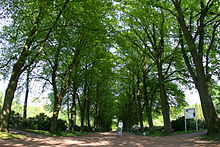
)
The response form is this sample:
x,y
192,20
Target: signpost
x,y
189,114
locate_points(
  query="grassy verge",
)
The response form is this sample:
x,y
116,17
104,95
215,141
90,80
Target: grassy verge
x,y
4,135
64,134
159,134
211,138
188,132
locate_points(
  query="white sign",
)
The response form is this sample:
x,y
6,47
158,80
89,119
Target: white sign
x,y
190,113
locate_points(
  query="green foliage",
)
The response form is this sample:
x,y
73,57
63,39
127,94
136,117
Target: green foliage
x,y
211,138
199,112
216,97
75,50
159,134
15,120
5,135
157,129
39,122
42,122
16,105
179,124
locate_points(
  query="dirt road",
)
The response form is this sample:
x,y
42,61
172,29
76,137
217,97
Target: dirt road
x,y
109,139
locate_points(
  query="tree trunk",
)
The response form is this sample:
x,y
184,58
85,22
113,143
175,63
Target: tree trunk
x,y
96,117
211,118
88,115
56,109
84,107
141,121
26,94
72,116
68,113
149,114
17,70
134,97
9,93
147,102
140,112
73,110
164,101
57,102
202,82
150,119
9,96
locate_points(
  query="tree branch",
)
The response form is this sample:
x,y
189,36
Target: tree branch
x,y
210,47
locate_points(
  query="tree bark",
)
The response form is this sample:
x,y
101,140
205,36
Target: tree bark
x,y
88,115
56,109
26,94
212,121
58,97
164,101
150,119
148,103
9,95
73,110
140,110
84,106
18,68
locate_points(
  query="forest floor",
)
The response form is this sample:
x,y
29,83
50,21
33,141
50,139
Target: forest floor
x,y
108,139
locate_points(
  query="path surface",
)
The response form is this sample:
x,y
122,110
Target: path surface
x,y
109,139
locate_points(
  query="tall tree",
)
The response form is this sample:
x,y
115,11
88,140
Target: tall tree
x,y
33,45
26,93
198,27
149,36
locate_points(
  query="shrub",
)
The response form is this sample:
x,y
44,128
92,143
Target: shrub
x,y
76,128
87,128
39,122
61,125
15,120
179,124
159,129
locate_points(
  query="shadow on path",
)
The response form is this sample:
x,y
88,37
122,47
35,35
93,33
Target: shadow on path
x,y
109,139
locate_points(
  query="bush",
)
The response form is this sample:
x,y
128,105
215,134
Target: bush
x,y
61,125
201,124
87,128
15,120
159,129
39,122
179,124
77,128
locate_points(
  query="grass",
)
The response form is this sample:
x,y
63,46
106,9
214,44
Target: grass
x,y
64,134
156,134
188,132
160,134
211,138
5,135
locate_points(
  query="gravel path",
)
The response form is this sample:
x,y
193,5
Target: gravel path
x,y
109,139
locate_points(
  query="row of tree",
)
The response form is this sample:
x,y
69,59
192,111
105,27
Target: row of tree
x,y
160,46
167,43
66,44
